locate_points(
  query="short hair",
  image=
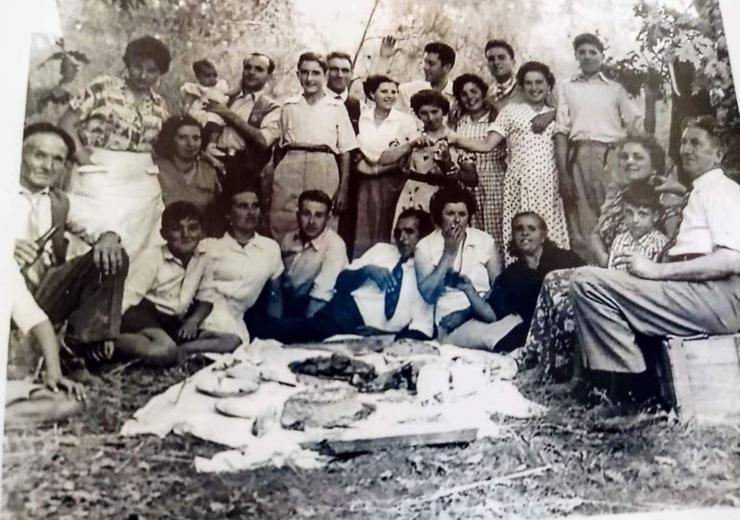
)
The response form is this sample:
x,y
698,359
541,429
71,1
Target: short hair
x,y
312,56
315,196
148,47
445,52
237,187
203,67
165,142
451,195
641,194
270,61
426,226
650,144
178,211
707,123
464,79
339,54
490,44
512,248
429,97
371,84
47,128
535,66
588,38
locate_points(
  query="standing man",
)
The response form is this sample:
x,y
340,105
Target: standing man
x,y
252,123
439,59
593,113
695,292
313,256
317,137
85,291
339,80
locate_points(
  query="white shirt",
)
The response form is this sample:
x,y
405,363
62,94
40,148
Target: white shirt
x,y
313,267
242,106
236,274
471,260
412,311
161,278
408,89
325,122
31,219
396,129
711,218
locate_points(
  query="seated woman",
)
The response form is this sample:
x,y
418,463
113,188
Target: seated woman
x,y
552,330
516,289
430,162
455,266
184,175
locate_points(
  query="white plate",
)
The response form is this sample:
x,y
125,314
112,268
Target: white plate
x,y
226,387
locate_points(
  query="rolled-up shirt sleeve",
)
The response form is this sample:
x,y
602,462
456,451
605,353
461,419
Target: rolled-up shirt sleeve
x,y
723,217
628,111
346,138
24,310
270,126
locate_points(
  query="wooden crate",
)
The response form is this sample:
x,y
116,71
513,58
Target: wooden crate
x,y
702,377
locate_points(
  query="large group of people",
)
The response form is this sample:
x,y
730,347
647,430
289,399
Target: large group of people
x,y
440,208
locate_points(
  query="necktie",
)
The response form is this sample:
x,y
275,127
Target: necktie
x,y
392,295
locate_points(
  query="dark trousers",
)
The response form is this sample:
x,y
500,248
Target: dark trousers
x,y
339,316
77,291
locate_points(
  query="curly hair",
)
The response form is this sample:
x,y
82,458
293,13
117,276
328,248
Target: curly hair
x,y
178,211
445,52
371,84
164,146
464,79
535,66
651,146
588,38
429,97
312,56
451,195
148,47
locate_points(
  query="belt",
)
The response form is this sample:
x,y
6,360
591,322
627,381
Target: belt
x,y
311,148
431,179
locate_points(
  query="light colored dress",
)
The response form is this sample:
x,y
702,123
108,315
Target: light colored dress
x,y
531,179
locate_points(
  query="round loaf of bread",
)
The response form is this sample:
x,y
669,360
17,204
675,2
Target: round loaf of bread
x,y
328,406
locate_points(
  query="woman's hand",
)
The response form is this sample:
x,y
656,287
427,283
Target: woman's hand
x,y
56,381
453,237
541,121
454,320
83,156
667,185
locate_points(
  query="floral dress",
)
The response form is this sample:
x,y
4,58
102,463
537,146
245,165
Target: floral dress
x,y
428,169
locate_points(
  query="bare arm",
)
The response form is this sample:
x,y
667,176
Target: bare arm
x,y
44,333
398,153
366,167
430,277
486,145
239,124
191,324
717,265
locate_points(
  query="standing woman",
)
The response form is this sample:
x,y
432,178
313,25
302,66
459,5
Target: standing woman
x,y
379,185
531,179
473,123
183,173
430,162
118,186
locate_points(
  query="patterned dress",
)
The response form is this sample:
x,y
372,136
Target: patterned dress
x,y
491,168
531,179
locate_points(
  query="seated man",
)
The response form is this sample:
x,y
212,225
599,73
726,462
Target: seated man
x,y
25,401
695,292
160,316
313,255
86,291
377,293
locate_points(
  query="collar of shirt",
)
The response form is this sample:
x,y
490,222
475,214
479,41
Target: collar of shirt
x,y
339,97
298,245
249,95
25,191
368,114
600,76
169,257
301,100
504,89
708,178
152,96
256,241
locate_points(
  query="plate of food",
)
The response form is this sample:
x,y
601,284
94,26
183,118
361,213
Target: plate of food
x,y
224,386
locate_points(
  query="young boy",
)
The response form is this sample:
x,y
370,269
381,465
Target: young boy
x,y
196,97
160,316
640,210
26,401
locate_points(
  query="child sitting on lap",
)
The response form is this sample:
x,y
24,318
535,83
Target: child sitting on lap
x,y
161,317
640,210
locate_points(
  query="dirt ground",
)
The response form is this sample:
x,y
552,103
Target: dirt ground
x,y
568,462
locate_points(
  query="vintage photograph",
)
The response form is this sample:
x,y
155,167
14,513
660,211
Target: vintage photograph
x,y
375,259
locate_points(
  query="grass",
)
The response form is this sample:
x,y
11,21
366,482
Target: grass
x,y
83,469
